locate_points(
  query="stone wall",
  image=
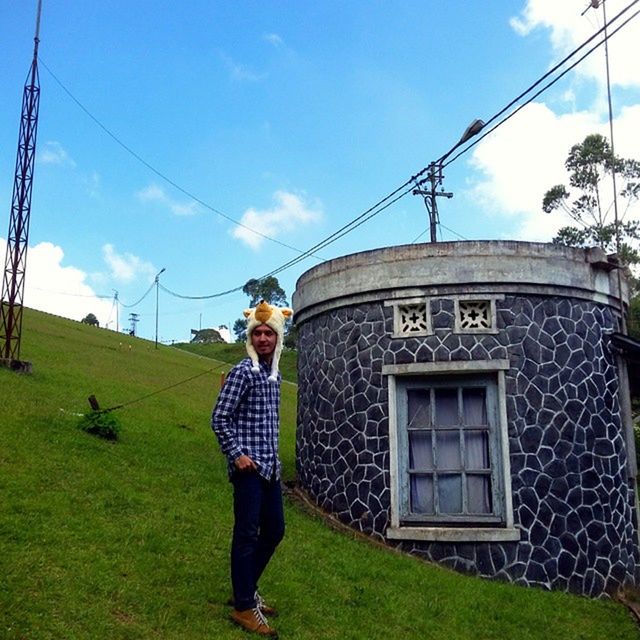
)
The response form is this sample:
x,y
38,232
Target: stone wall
x,y
573,501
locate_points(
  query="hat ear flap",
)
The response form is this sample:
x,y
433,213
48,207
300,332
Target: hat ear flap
x,y
247,312
287,313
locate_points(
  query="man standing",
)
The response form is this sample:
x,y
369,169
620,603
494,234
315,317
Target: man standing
x,y
246,423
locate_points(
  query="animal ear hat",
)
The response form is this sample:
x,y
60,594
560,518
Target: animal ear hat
x,y
273,317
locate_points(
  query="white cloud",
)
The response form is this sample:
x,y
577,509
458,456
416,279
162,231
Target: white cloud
x,y
53,153
126,267
569,28
239,71
274,39
289,212
522,159
154,193
92,184
58,289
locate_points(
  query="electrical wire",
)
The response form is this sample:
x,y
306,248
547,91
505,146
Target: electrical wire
x,y
485,132
336,235
388,200
147,292
73,295
158,391
373,211
161,175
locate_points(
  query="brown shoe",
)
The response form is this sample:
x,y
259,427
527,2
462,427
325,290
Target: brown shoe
x,y
253,620
265,609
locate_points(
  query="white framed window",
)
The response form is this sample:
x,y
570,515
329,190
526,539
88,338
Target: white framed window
x,y
411,317
475,314
449,452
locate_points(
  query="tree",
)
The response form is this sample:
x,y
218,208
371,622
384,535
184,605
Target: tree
x,y
591,164
206,336
240,329
291,335
267,289
91,320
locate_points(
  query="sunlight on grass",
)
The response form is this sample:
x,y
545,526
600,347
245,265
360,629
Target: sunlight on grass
x,y
131,539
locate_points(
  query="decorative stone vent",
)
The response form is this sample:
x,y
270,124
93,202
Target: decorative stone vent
x,y
411,318
474,314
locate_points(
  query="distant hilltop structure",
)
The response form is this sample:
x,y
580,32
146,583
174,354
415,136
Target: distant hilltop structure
x,y
211,336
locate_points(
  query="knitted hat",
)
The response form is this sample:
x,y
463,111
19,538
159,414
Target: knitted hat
x,y
273,317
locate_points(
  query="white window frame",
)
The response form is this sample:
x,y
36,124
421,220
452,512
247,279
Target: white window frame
x,y
453,532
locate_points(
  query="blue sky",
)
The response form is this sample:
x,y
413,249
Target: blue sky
x,y
292,118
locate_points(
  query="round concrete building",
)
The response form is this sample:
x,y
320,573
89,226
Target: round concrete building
x,y
468,401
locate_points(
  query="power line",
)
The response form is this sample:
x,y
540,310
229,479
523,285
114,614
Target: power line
x,y
158,391
543,89
479,138
74,295
373,211
336,235
161,175
392,197
146,293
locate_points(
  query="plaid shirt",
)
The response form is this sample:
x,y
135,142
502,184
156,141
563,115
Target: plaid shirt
x,y
246,418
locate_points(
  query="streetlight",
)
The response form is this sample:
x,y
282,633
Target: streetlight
x,y
435,178
157,298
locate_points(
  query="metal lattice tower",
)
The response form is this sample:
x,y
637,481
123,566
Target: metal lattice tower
x,y
18,236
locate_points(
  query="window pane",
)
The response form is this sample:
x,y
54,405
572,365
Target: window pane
x,y
450,494
446,407
421,494
479,494
477,449
448,450
420,450
474,407
418,400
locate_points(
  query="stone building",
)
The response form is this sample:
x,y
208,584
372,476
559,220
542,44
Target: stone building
x,y
468,401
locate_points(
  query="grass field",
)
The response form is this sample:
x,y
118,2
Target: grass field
x,y
130,540
234,352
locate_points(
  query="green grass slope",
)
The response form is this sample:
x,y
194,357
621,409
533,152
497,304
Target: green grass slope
x,y
234,352
130,540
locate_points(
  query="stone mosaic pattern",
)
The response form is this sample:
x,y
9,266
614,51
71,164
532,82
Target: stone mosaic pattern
x,y
572,499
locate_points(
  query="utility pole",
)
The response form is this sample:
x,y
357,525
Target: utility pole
x,y
430,198
157,281
595,4
435,179
11,304
133,319
115,300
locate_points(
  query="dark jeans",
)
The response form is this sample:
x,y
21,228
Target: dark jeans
x,y
258,528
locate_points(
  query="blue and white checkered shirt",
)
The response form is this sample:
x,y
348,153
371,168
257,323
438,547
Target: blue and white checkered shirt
x,y
246,418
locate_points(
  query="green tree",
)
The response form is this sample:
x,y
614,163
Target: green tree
x,y
206,336
591,164
267,289
633,317
91,320
240,329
